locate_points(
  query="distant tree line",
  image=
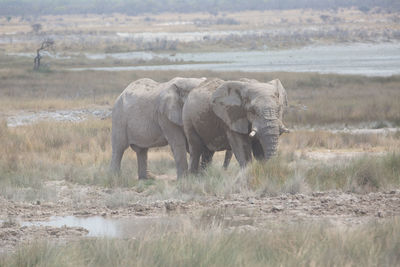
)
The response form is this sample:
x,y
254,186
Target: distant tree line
x,y
136,7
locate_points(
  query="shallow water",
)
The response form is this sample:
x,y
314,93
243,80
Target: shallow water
x,y
99,226
131,227
363,59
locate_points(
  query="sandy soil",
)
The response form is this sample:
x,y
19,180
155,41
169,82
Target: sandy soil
x,y
338,208
22,117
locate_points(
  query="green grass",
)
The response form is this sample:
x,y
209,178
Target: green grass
x,y
292,244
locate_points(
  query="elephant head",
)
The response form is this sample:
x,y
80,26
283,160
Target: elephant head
x,y
174,95
254,109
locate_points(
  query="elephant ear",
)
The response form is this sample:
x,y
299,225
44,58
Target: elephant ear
x,y
281,92
281,96
227,104
170,104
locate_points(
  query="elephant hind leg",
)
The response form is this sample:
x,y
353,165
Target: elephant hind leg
x,y
119,140
117,153
141,154
227,159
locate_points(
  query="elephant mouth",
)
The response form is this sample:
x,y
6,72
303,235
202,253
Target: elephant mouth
x,y
264,137
264,145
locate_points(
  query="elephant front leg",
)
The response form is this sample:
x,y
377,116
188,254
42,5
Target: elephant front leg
x,y
179,152
177,141
196,148
194,160
241,147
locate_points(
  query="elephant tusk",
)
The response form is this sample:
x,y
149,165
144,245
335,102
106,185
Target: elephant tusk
x,y
252,133
283,130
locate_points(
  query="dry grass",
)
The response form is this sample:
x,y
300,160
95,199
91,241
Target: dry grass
x,y
97,32
315,140
80,153
292,244
314,99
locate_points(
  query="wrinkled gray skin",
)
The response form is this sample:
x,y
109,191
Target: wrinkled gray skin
x,y
221,115
149,114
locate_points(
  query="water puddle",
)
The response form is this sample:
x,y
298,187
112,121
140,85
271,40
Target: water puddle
x,y
111,227
98,226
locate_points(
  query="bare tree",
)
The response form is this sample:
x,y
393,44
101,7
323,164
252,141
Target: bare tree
x,y
46,45
36,27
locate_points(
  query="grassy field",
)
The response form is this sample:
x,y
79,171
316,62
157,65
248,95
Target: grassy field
x,y
35,157
80,153
314,99
281,28
292,244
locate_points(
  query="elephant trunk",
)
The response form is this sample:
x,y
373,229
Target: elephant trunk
x,y
268,135
269,144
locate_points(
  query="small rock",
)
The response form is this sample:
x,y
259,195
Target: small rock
x,y
251,200
170,205
277,208
37,202
82,213
108,191
104,214
360,211
380,214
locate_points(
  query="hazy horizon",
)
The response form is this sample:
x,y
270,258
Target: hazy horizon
x,y
136,7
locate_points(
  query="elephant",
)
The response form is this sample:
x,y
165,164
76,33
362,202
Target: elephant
x,y
245,116
149,114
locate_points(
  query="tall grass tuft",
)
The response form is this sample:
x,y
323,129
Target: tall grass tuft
x,y
291,244
360,175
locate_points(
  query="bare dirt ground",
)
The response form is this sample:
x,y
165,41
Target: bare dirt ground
x,y
22,117
334,207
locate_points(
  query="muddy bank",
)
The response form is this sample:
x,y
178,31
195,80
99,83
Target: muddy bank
x,y
82,211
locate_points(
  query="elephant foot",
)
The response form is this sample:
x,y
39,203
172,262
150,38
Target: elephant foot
x,y
149,176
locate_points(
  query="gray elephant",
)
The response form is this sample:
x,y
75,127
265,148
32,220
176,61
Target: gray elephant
x,y
149,114
245,116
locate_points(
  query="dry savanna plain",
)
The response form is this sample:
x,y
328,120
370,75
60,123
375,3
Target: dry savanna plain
x,y
330,197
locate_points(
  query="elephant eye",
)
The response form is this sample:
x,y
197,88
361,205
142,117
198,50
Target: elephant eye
x,y
252,110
